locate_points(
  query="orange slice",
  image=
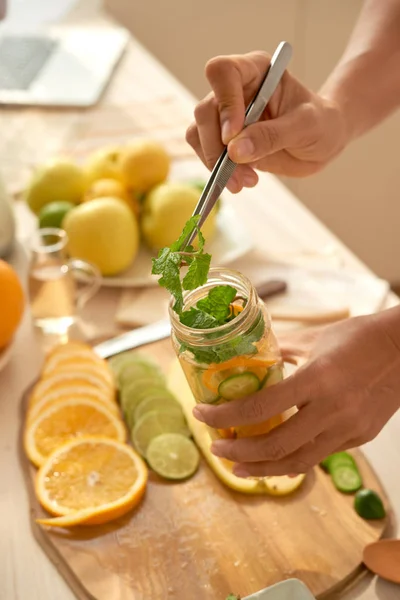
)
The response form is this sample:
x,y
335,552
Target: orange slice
x,y
66,359
71,393
77,366
90,481
72,346
66,420
63,379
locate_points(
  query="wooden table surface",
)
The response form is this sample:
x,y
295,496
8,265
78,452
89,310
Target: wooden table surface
x,y
140,100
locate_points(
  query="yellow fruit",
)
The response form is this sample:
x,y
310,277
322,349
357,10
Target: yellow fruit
x,y
59,381
66,420
277,486
71,393
58,180
144,164
104,232
104,164
111,188
90,481
165,212
11,303
93,364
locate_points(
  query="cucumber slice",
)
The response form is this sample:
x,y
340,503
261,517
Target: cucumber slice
x,y
239,386
338,459
368,505
274,375
200,391
346,479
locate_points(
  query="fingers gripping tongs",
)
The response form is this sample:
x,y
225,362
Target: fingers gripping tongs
x,y
224,166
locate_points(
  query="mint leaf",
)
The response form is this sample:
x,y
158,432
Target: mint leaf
x,y
217,303
238,346
168,264
186,232
197,272
197,319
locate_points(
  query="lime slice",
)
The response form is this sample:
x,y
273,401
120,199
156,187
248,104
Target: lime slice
x,y
118,362
156,423
173,456
133,372
132,397
156,403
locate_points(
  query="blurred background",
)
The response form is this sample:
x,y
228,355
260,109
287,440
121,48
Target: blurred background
x,y
357,196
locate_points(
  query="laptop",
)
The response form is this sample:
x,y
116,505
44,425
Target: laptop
x,y
61,66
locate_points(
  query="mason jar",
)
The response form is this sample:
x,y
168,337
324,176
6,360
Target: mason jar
x,y
233,360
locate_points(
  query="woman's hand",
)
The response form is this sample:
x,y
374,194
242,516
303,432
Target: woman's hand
x,y
346,389
297,135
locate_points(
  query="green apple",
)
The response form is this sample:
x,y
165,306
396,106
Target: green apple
x,y
104,232
57,180
165,211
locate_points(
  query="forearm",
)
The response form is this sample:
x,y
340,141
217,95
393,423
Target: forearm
x,y
366,82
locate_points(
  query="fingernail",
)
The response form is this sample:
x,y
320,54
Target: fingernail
x,y
198,414
217,448
240,472
242,149
291,475
226,132
250,179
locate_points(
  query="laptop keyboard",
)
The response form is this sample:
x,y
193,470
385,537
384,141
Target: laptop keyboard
x,y
21,59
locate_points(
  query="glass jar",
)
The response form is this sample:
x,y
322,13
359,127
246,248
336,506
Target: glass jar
x,y
233,360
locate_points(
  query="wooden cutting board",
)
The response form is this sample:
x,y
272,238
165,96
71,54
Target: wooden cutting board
x,y
199,540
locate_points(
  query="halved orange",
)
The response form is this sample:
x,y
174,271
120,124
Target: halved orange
x,y
66,420
90,481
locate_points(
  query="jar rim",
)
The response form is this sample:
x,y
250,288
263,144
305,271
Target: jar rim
x,y
226,329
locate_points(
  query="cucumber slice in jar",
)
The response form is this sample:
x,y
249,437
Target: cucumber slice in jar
x,y
239,386
346,479
274,375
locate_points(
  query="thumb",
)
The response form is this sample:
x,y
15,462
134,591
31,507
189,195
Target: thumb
x,y
259,140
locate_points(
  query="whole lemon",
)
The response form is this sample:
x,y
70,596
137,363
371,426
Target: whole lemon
x,y
106,188
103,164
165,211
144,164
11,303
57,180
104,232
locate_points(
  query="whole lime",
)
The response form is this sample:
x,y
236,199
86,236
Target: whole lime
x,y
52,214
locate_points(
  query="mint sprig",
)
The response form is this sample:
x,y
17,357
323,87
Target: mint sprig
x,y
170,260
210,312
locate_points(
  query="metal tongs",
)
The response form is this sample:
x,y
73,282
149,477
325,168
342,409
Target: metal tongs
x,y
224,167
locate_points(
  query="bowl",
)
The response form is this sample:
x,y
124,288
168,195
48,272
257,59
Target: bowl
x,y
291,589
